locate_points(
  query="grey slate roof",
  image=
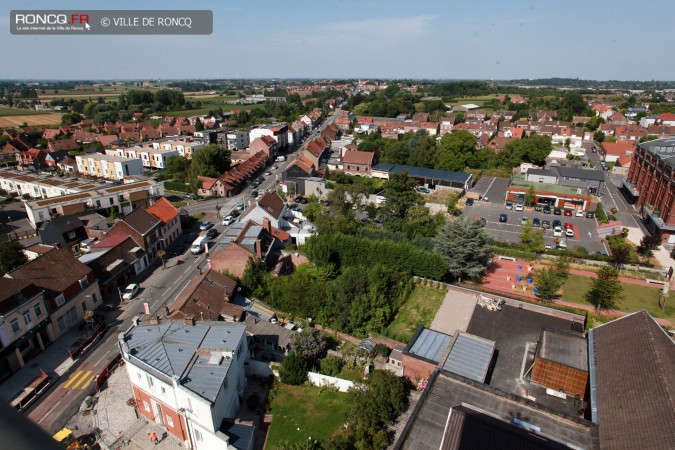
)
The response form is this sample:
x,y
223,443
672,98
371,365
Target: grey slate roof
x,y
542,172
470,356
582,174
564,348
428,344
170,348
664,149
423,172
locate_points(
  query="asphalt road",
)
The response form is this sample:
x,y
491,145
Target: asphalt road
x,y
159,288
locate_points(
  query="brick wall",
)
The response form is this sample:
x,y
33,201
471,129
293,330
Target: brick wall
x,y
562,378
172,420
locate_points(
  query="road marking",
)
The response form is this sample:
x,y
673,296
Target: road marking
x,y
50,411
84,386
97,362
82,378
73,377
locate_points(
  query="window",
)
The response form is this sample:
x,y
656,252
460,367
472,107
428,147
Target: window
x,y
84,282
71,235
198,435
169,421
60,300
151,381
146,406
37,310
15,325
26,318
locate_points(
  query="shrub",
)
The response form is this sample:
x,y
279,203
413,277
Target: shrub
x,y
293,370
331,365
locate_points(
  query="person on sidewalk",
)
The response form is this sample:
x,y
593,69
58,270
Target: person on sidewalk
x,y
153,438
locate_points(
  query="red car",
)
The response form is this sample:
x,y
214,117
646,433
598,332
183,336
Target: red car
x,y
568,226
568,212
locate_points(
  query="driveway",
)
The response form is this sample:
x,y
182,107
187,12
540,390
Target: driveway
x,y
496,192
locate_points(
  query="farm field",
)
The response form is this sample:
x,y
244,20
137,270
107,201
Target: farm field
x,y
20,112
30,120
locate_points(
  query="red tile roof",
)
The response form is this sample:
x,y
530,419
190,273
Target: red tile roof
x,y
357,157
110,241
618,148
164,210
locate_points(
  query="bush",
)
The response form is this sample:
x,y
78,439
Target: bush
x,y
293,370
600,214
382,350
175,186
331,365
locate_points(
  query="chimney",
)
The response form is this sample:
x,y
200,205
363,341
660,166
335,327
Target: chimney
x,y
190,320
267,226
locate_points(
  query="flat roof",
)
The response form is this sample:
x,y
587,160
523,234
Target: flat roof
x,y
519,181
568,349
470,356
106,157
664,149
429,344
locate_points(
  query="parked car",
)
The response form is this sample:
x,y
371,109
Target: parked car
x,y
569,232
568,212
536,222
523,220
227,221
557,231
538,208
519,207
590,215
268,173
205,225
569,226
302,200
212,233
424,190
130,292
235,213
546,224
548,246
557,223
254,194
469,201
580,213
239,207
503,217
547,210
508,205
557,211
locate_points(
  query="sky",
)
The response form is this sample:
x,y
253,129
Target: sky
x,y
500,39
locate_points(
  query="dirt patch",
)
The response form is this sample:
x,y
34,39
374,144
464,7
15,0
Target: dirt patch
x,y
38,119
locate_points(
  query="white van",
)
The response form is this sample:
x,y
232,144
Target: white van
x,y
281,158
198,245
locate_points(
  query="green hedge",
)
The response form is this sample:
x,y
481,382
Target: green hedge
x,y
175,186
344,251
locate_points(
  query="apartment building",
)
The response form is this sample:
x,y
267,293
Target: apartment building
x,y
151,157
278,132
109,167
235,140
184,148
651,185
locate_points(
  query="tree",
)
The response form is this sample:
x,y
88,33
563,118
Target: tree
x,y
651,242
599,136
293,370
209,161
530,195
537,148
605,290
377,403
401,196
11,256
254,274
177,167
199,126
548,284
465,246
533,240
453,210
309,344
331,365
162,255
620,255
454,150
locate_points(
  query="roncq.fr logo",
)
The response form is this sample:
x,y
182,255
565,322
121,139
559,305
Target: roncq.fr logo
x,y
51,19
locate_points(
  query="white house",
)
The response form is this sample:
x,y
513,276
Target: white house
x,y
189,377
272,207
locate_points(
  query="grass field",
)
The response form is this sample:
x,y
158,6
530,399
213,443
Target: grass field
x,y
303,412
20,112
30,120
421,307
635,298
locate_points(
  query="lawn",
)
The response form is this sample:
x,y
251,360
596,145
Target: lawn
x,y
304,412
421,307
635,298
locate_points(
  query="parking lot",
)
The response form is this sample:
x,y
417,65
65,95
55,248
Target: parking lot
x,y
584,229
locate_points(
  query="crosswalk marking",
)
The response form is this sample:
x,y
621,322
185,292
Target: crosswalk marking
x,y
73,377
82,378
84,386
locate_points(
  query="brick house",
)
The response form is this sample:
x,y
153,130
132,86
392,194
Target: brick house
x,y
115,260
71,289
207,297
144,229
358,163
170,217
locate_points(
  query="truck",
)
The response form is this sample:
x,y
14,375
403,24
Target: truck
x,y
281,158
199,245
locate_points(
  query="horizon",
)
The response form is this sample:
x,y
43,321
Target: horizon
x,y
356,40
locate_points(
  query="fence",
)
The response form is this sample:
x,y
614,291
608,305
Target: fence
x,y
318,379
108,370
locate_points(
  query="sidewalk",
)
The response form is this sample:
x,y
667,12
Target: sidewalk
x,y
53,360
118,422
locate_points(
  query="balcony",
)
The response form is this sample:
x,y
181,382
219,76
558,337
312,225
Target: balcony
x,y
655,216
630,187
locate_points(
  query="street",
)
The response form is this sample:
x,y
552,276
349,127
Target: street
x,y
158,289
